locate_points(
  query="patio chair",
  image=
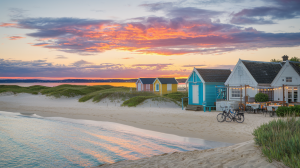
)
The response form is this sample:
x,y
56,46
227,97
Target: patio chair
x,y
249,109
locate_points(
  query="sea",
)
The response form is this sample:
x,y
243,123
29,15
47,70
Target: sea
x,y
29,140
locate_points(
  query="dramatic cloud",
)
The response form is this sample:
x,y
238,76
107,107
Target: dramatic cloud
x,y
15,37
276,10
184,30
82,68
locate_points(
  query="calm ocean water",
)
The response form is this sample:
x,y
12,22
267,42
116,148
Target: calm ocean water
x,y
34,141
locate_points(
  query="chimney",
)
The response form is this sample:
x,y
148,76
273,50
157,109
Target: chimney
x,y
285,58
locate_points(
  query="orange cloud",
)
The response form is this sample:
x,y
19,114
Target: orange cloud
x,y
151,35
8,24
15,37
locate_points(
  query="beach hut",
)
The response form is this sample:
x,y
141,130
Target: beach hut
x,y
286,85
203,83
165,85
145,84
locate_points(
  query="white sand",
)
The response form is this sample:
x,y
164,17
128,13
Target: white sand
x,y
157,116
244,155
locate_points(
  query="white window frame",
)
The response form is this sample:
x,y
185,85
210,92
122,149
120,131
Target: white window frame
x,y
289,79
157,88
236,93
169,87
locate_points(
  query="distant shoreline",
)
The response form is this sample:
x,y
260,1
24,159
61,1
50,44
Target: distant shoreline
x,y
72,80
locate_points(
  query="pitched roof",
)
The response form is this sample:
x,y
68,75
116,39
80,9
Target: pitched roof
x,y
214,75
263,72
147,80
296,66
167,80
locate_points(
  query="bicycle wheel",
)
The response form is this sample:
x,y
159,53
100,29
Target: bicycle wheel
x,y
240,118
228,118
221,117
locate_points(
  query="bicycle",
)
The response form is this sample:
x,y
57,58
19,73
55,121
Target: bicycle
x,y
229,116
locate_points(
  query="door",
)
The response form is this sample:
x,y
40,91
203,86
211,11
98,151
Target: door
x,y
195,94
139,86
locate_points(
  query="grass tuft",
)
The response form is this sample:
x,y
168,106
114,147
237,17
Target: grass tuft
x,y
134,101
280,140
18,89
176,97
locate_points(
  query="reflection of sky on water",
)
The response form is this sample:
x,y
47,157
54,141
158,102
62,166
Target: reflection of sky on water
x,y
33,141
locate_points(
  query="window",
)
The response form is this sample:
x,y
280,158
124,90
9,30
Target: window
x,y
157,87
288,79
269,92
148,87
235,93
169,87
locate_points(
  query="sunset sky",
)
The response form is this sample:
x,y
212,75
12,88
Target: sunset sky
x,y
135,38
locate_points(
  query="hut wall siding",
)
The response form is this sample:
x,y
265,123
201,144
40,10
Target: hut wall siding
x,y
211,93
145,87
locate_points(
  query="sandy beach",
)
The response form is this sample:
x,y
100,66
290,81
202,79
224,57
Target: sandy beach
x,y
165,117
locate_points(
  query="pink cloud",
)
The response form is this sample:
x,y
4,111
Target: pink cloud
x,y
15,37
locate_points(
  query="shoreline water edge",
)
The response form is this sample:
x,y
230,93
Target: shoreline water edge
x,y
165,117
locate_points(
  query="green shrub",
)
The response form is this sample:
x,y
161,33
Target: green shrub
x,y
261,97
286,111
280,140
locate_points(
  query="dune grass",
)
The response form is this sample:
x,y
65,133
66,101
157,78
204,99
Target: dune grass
x,y
18,89
96,93
134,101
280,140
176,97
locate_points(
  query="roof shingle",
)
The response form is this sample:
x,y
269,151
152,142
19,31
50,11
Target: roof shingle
x,y
214,75
263,72
147,80
168,80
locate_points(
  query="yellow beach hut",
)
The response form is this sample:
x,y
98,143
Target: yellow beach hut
x,y
165,85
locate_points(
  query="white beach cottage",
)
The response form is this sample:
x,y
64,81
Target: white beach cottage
x,y
287,83
249,78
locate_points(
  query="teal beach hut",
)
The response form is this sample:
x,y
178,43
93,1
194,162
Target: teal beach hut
x,y
203,84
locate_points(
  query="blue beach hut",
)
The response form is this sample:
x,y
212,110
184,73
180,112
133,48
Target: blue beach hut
x,y
203,85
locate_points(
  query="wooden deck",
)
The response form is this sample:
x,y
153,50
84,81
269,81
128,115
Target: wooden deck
x,y
194,108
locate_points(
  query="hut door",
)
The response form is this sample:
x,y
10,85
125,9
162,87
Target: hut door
x,y
195,94
139,86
